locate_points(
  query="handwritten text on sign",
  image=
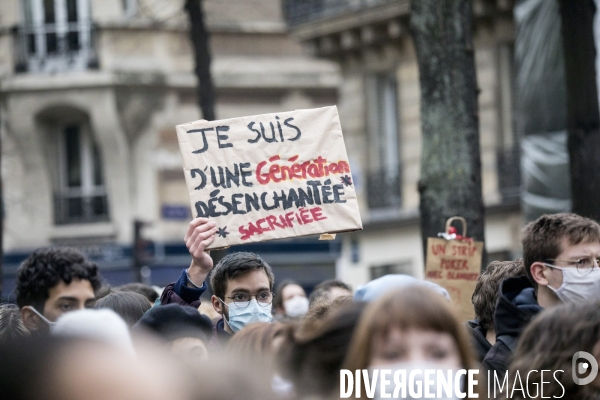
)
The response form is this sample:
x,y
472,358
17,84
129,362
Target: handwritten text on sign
x,y
270,176
455,265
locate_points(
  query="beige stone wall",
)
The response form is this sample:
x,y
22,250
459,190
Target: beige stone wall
x,y
144,87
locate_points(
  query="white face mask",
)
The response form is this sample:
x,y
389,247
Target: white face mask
x,y
578,287
295,307
50,323
419,384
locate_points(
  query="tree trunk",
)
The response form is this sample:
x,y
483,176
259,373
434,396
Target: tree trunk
x,y
583,115
200,42
450,181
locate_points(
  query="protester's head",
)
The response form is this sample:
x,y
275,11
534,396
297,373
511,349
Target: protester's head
x,y
57,368
410,329
54,281
11,325
320,310
129,305
550,342
561,253
485,296
145,290
290,299
99,325
312,357
186,331
376,288
413,325
242,286
257,344
330,289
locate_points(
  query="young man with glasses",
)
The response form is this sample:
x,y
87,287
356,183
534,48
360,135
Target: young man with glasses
x,y
561,254
242,283
54,281
242,286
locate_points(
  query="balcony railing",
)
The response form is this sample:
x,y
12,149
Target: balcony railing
x,y
383,189
55,47
72,207
509,174
302,11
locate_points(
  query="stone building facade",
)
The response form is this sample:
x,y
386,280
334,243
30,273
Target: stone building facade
x,y
90,93
379,102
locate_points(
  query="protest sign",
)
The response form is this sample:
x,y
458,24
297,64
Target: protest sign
x,y
454,262
270,176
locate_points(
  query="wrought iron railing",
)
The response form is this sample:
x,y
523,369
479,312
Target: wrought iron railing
x,y
383,189
55,48
302,11
509,173
71,207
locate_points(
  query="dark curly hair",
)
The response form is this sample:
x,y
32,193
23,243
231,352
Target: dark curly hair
x,y
46,267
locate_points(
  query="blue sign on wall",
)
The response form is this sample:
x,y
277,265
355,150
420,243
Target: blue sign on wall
x,y
175,211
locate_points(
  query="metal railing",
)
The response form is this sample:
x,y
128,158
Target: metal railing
x,y
55,48
383,189
509,173
301,11
75,208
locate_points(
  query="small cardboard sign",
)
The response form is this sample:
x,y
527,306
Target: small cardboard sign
x,y
270,176
455,265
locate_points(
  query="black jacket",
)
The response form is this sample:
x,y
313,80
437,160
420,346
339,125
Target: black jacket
x,y
480,343
517,305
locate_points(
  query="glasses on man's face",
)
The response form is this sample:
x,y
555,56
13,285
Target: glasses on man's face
x,y
584,265
241,299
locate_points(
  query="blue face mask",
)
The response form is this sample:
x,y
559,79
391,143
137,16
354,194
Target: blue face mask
x,y
242,316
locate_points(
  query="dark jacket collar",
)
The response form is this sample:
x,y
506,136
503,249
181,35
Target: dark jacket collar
x,y
517,305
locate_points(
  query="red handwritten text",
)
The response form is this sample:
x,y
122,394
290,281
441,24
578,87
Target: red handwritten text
x,y
302,217
316,168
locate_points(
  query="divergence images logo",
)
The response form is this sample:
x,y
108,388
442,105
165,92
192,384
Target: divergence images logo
x,y
580,368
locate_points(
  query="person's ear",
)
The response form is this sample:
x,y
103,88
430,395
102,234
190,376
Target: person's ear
x,y
217,305
538,272
30,319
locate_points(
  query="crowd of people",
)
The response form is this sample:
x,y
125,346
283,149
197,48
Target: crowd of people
x,y
70,336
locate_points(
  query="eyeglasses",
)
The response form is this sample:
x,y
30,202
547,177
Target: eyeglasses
x,y
584,265
242,299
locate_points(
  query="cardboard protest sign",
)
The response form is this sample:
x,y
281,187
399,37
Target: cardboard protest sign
x,y
270,176
454,262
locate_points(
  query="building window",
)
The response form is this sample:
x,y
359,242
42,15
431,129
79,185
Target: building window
x,y
129,8
403,267
55,36
81,197
383,176
508,147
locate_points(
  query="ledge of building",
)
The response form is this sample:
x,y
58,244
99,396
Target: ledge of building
x,y
351,20
411,218
71,231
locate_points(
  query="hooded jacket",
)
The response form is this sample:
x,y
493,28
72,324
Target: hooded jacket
x,y
179,293
480,342
517,305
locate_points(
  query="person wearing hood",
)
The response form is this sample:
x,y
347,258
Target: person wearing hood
x,y
561,254
484,299
290,301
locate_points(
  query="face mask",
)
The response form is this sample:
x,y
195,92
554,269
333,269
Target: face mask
x,y
295,307
577,287
242,316
50,323
417,388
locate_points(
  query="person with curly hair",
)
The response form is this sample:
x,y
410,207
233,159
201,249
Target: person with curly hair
x,y
54,281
